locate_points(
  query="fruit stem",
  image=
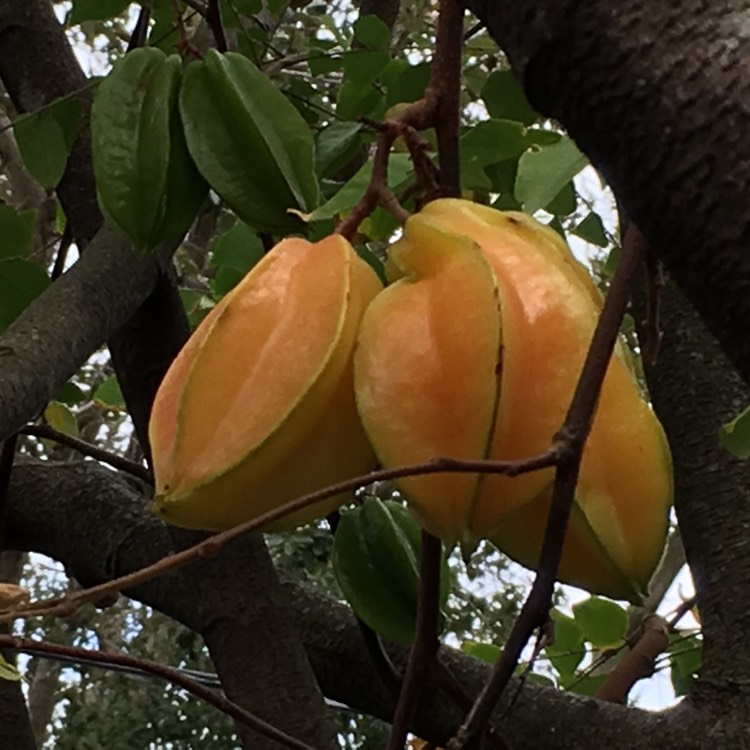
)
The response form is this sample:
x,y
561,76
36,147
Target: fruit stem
x,y
425,644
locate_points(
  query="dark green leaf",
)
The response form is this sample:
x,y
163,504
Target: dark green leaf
x,y
335,145
355,100
373,261
248,141
16,232
591,229
409,85
321,62
71,394
21,281
584,684
239,248
362,66
565,202
568,650
372,32
492,141
109,396
505,98
97,10
735,435
602,621
42,144
399,168
544,170
225,280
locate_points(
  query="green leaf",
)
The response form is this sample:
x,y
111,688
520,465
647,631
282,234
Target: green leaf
x,y
399,168
249,142
409,85
735,435
372,32
602,622
568,650
130,132
8,671
685,661
45,138
61,418
544,170
591,229
587,684
16,232
363,66
239,248
565,202
505,98
109,396
335,145
355,100
97,10
322,62
492,141
373,261
71,394
488,652
21,281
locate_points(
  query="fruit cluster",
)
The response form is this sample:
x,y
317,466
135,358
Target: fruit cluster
x,y
309,372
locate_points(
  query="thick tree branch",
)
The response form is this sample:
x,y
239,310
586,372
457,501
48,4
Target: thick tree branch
x,y
694,389
656,96
52,512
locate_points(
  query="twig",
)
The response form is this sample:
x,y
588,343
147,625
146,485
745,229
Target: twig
x,y
68,604
445,88
213,19
425,644
175,676
138,37
62,253
82,446
571,440
638,663
681,610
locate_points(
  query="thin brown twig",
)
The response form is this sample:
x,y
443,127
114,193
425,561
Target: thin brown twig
x,y
651,338
213,19
82,446
62,254
571,439
425,645
213,697
68,604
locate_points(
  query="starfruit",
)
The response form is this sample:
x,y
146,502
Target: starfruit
x,y
474,353
146,180
258,408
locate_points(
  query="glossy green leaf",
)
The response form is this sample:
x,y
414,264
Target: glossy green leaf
x,y
543,171
735,435
130,133
399,167
248,141
21,281
109,396
409,85
567,652
97,10
335,145
16,232
685,661
371,32
591,229
602,622
45,143
504,97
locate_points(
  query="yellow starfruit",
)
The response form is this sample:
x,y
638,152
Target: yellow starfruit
x,y
259,408
474,353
